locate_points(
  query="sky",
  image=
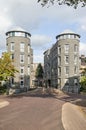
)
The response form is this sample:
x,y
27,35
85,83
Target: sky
x,y
43,23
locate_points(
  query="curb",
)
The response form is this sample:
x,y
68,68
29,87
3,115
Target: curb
x,y
72,117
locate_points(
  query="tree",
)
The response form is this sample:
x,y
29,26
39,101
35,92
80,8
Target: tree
x,y
39,73
83,83
7,69
83,71
73,3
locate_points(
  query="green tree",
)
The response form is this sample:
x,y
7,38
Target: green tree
x,y
39,74
39,71
83,83
73,3
7,69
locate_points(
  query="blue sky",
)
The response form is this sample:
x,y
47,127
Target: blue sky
x,y
43,23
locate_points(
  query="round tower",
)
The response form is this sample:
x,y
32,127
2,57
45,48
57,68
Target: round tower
x,y
68,61
18,44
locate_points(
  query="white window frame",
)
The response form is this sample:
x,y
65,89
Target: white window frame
x,y
22,80
59,60
12,56
75,59
75,48
66,59
28,48
59,71
66,48
28,70
59,49
22,47
29,60
21,58
75,69
22,70
12,46
66,69
66,81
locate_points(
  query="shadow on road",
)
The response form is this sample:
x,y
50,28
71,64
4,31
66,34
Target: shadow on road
x,y
76,99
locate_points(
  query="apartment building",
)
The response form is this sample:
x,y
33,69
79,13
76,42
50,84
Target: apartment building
x,y
64,62
19,45
82,65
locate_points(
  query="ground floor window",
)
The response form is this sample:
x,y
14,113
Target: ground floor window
x,y
22,81
75,81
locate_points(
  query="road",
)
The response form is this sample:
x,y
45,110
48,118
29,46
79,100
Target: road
x,y
35,110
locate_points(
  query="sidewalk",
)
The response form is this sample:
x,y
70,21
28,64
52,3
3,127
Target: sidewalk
x,y
73,118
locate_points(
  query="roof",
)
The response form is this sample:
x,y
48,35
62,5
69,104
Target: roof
x,y
17,29
67,31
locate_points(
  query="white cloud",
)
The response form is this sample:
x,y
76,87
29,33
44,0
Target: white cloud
x,y
38,58
83,27
83,48
4,22
32,17
40,40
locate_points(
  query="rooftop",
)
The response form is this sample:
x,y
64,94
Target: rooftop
x,y
67,31
17,29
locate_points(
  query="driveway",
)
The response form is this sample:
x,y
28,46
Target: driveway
x,y
37,110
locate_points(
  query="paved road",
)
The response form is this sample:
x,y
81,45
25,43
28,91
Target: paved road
x,y
35,111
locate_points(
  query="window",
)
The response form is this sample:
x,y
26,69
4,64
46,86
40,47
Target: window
x,y
22,70
28,59
75,48
21,47
66,70
75,81
66,81
28,70
59,60
13,34
59,81
21,58
28,48
75,59
72,36
12,46
59,50
20,34
66,48
59,71
66,59
75,69
69,36
26,35
12,56
65,36
22,82
12,80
